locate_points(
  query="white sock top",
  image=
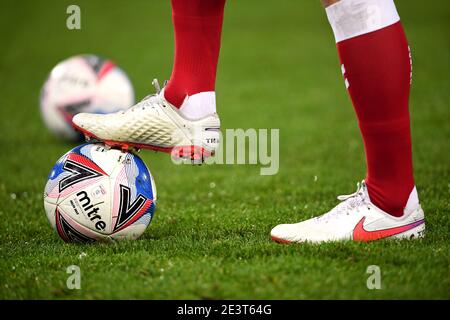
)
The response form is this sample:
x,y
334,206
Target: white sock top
x,y
351,18
413,200
199,105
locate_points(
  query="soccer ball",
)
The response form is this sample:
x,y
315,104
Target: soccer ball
x,y
84,83
99,194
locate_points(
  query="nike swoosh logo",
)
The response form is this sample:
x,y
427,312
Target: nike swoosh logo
x,y
361,234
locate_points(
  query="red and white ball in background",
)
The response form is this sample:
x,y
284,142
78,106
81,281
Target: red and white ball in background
x,y
84,83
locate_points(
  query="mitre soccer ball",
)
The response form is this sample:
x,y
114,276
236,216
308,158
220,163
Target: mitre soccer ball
x,y
84,83
99,194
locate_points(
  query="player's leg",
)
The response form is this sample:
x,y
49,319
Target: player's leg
x,y
183,115
198,26
375,62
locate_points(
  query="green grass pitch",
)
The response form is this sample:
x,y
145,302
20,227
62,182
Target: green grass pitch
x,y
210,236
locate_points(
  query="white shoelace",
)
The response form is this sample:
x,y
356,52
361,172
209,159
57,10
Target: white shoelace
x,y
349,202
148,100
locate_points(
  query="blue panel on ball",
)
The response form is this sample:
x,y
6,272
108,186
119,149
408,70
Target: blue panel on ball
x,y
143,181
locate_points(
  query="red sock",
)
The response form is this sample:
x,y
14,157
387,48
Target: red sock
x,y
378,70
198,26
376,65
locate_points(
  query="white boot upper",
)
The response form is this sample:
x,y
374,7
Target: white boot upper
x,y
156,122
356,211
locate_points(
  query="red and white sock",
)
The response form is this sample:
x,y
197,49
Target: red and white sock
x,y
376,65
198,27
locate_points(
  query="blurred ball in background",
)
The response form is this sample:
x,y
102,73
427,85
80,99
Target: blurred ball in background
x,y
84,83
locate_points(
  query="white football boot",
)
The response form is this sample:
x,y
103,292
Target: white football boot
x,y
154,123
356,218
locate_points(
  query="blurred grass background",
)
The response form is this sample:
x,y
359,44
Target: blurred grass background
x,y
278,69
